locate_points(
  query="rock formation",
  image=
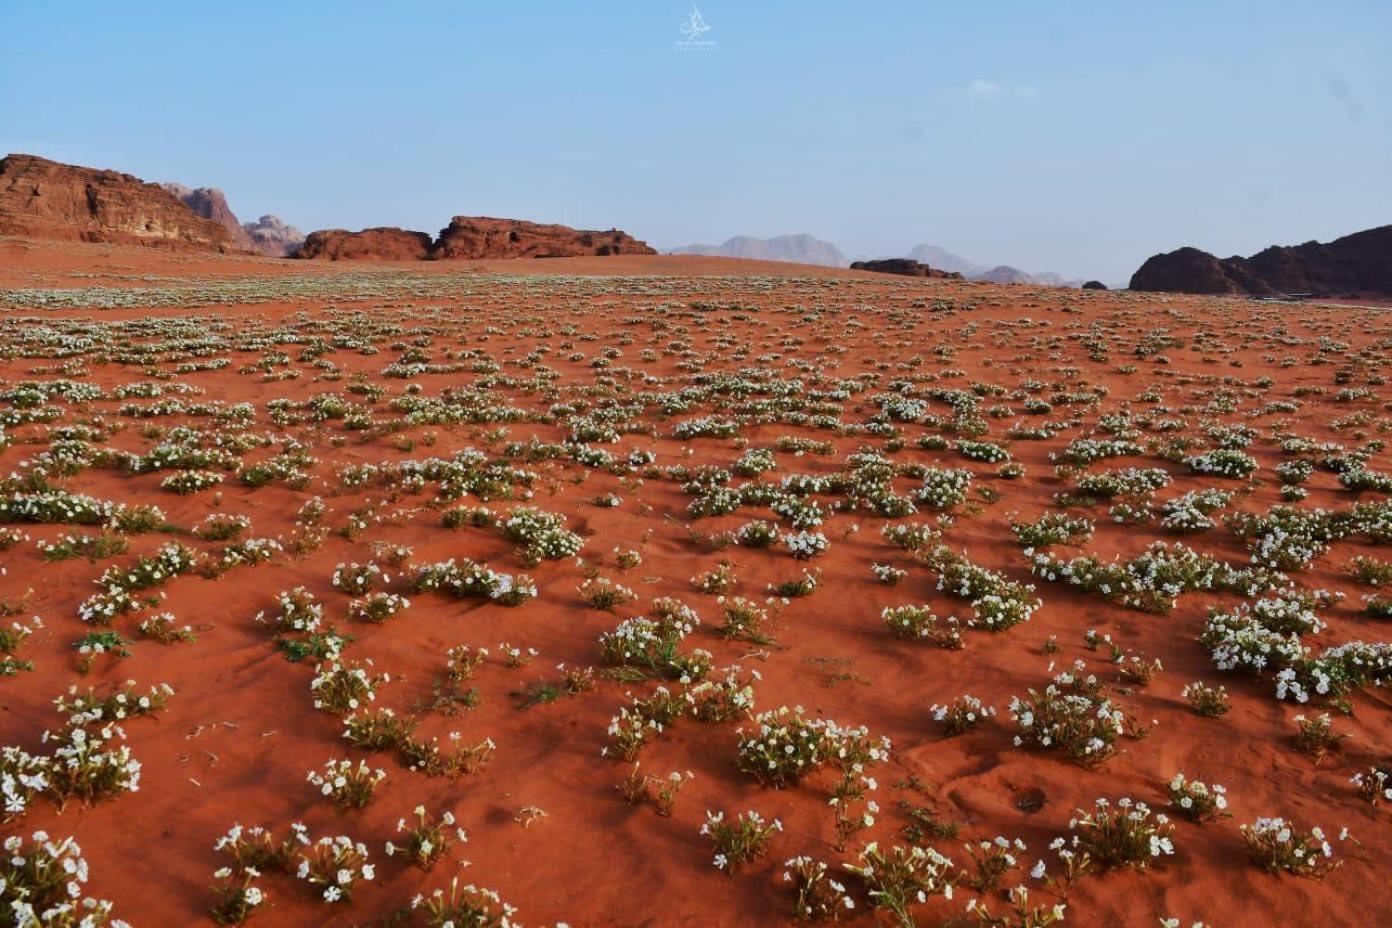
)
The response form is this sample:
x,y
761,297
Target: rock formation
x,y
272,237
1357,265
380,244
904,266
484,237
210,203
1094,285
44,199
799,249
470,237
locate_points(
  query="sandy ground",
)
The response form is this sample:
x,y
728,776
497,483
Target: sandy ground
x,y
547,826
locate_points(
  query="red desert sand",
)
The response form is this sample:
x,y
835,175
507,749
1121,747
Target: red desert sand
x,y
734,536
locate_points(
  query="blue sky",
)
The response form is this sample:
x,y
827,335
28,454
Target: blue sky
x,y
1065,136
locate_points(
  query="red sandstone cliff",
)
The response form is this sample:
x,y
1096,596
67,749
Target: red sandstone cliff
x,y
44,199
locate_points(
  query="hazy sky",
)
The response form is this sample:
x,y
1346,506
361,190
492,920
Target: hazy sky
x,y
1052,135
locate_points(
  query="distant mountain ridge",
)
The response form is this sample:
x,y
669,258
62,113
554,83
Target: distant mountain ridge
x,y
799,249
803,248
938,257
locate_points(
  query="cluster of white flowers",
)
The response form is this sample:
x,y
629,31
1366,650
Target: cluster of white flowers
x,y
962,714
739,841
357,579
1279,846
345,783
1081,452
298,612
335,865
42,885
378,607
1190,513
943,489
786,745
543,534
1197,800
344,688
468,578
117,584
1223,462
1070,714
806,545
888,574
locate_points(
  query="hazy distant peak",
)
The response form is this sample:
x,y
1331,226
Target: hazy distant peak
x,y
799,248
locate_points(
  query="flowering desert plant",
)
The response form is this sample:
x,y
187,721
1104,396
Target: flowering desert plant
x,y
236,896
1072,715
1020,914
358,579
888,574
786,746
638,787
603,593
991,861
427,839
1127,834
1374,785
188,482
348,785
162,628
1278,846
1317,737
962,714
467,906
820,896
739,841
342,688
542,534
1196,800
42,885
904,877
335,865
914,622
377,607
805,545
466,578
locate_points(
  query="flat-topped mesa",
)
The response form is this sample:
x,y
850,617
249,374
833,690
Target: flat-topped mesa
x,y
1355,265
486,237
380,244
45,199
470,237
906,267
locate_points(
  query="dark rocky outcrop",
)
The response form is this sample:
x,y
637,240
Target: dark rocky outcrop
x,y
1094,285
45,199
904,266
1355,265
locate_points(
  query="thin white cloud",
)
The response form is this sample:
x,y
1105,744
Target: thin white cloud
x,y
983,89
